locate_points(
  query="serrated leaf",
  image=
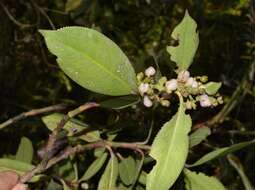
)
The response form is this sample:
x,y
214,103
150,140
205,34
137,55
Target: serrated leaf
x,y
221,152
186,35
17,166
73,126
127,170
92,60
94,167
170,150
25,151
120,102
199,181
72,5
198,136
212,88
110,175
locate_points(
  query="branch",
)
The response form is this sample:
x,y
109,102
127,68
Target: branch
x,y
30,113
51,149
71,151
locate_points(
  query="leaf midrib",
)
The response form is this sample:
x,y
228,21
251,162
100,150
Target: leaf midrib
x,y
95,62
172,140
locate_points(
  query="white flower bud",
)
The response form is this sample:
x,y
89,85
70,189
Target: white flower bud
x,y
204,101
183,76
147,102
143,88
192,82
171,85
188,105
150,71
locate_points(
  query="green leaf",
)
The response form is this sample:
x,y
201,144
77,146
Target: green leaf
x,y
221,152
127,170
198,136
65,187
170,150
99,152
73,126
92,60
94,167
72,5
54,186
66,170
142,178
186,35
199,181
123,187
212,88
17,166
120,102
110,175
25,151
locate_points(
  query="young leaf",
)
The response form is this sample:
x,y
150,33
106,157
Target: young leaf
x,y
221,152
194,181
73,126
25,151
127,170
170,149
212,88
94,167
198,136
92,60
109,177
186,35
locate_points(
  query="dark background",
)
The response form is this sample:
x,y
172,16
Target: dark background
x,y
30,77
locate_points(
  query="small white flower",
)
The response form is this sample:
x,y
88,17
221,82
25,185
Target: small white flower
x,y
192,82
150,71
183,76
204,101
171,85
147,102
143,88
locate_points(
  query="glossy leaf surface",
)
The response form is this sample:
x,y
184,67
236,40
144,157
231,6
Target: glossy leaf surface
x,y
92,60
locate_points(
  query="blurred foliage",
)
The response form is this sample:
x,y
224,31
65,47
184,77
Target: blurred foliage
x,y
30,77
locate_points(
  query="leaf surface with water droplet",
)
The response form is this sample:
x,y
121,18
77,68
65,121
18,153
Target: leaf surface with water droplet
x,y
92,60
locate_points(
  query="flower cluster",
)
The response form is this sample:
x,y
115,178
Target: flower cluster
x,y
193,89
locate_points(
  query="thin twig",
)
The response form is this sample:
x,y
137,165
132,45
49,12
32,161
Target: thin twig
x,y
238,95
30,113
71,151
21,25
50,149
44,14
